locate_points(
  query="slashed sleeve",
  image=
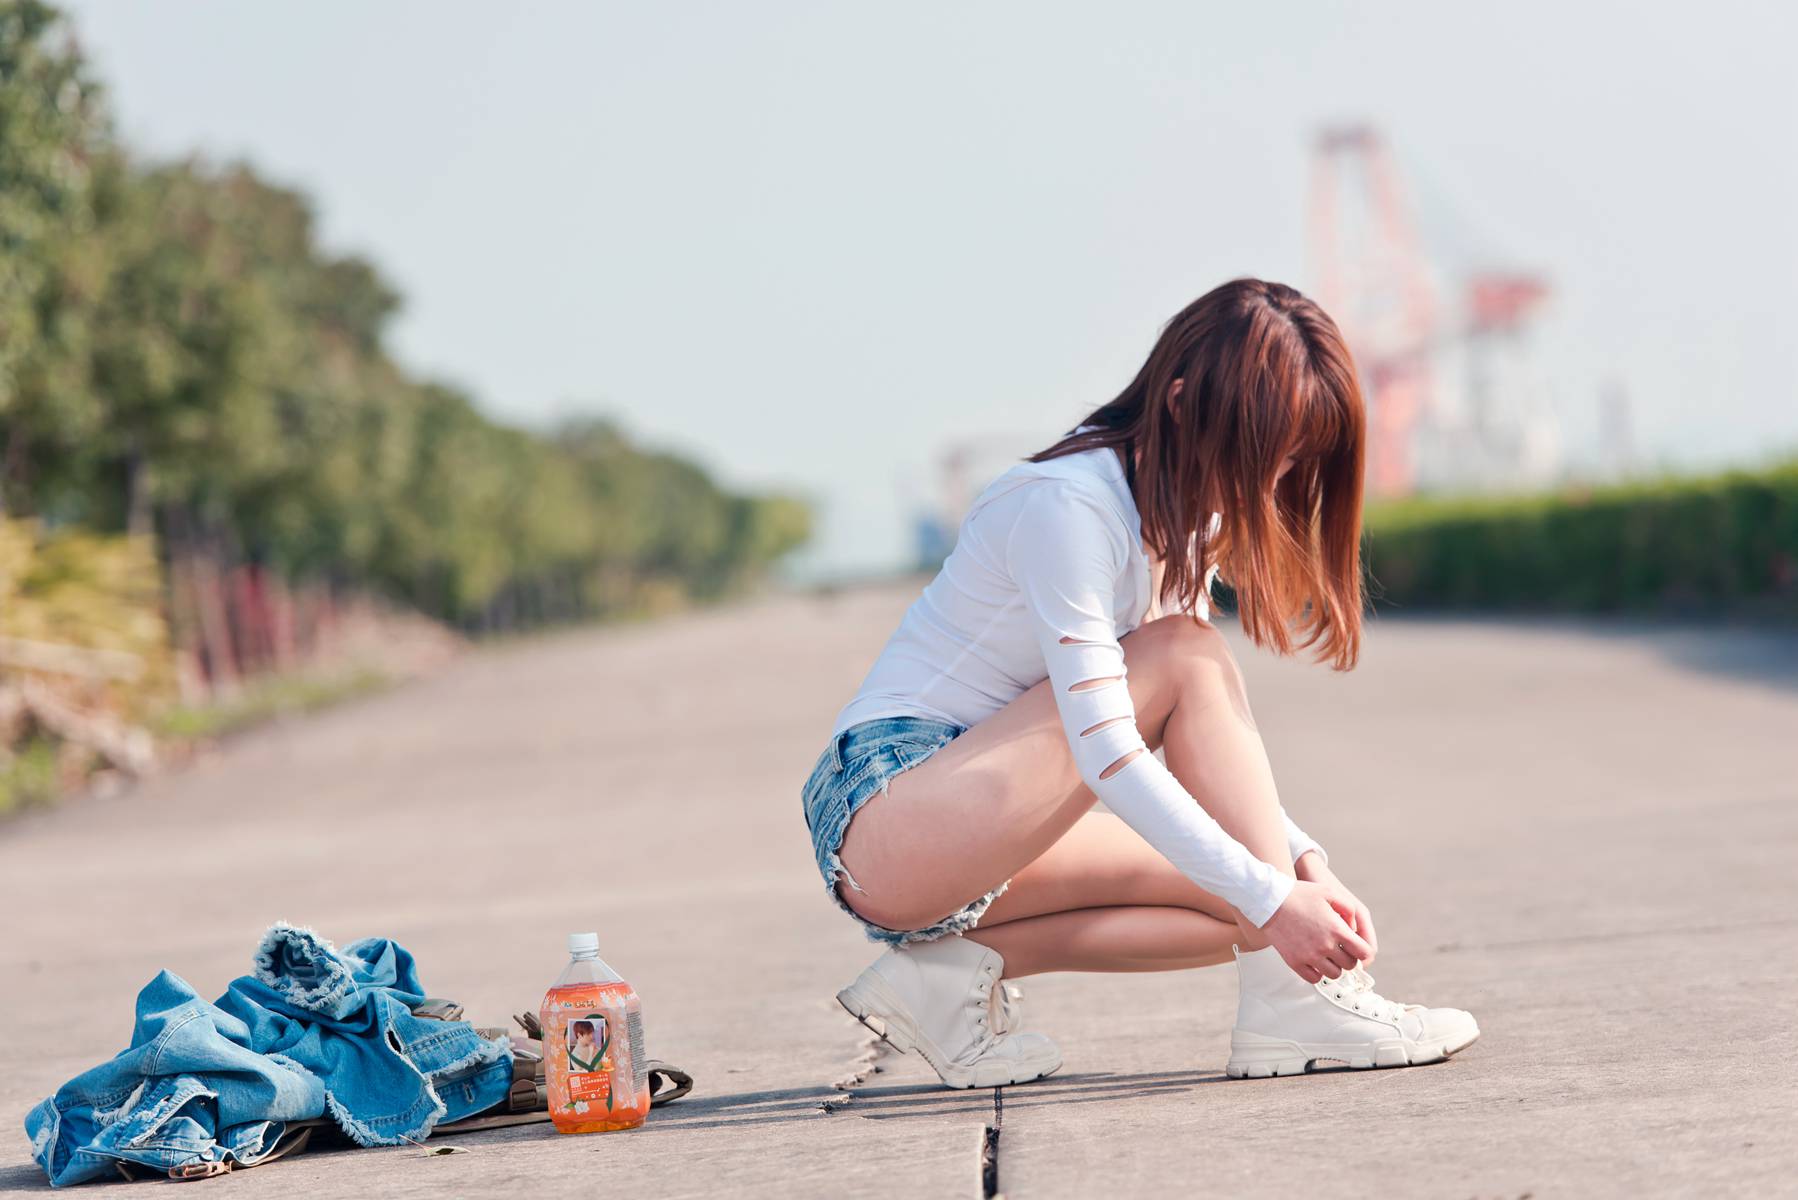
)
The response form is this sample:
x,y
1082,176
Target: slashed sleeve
x,y
1065,552
1298,841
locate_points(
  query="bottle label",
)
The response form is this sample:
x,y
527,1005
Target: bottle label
x,y
590,1060
592,1047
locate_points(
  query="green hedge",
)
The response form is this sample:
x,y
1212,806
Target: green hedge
x,y
1725,543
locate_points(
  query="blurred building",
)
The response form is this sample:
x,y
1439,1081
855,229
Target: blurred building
x,y
962,468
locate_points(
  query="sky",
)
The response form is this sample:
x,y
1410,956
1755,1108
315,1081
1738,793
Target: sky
x,y
813,245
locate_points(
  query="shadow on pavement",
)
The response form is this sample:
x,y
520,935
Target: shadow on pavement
x,y
1768,657
895,1102
1764,653
20,1178
914,1100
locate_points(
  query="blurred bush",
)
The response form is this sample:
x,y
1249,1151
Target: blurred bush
x,y
1724,543
95,596
84,657
179,356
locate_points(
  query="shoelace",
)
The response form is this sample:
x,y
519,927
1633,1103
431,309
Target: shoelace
x,y
1358,983
1008,1007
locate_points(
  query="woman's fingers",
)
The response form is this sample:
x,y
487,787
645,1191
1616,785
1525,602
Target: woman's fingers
x,y
1321,941
1364,927
1354,944
1303,969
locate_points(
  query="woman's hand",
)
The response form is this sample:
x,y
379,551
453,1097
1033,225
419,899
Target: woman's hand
x,y
1311,866
1313,932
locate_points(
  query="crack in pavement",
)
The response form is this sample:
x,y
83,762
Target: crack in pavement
x,y
875,1052
989,1148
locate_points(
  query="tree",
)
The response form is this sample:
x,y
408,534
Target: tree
x,y
52,129
179,353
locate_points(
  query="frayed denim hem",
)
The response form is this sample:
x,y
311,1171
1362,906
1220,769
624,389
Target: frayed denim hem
x,y
430,1109
956,923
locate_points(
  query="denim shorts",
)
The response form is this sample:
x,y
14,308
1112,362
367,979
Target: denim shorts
x,y
855,767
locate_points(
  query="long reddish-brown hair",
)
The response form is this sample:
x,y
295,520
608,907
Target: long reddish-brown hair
x,y
1262,373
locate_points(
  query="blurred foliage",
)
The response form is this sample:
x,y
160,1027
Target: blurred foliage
x,y
74,589
265,700
81,620
178,355
30,776
1724,543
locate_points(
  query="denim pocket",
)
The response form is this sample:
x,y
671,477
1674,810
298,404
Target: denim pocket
x,y
908,752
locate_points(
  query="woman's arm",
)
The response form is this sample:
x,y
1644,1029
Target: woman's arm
x,y
1298,841
1065,552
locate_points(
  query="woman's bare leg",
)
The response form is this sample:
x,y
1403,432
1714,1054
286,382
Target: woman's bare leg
x,y
1102,899
1110,939
1100,862
995,800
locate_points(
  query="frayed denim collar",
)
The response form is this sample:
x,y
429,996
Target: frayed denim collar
x,y
303,968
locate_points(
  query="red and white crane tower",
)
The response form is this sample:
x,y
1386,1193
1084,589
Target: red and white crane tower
x,y
1375,279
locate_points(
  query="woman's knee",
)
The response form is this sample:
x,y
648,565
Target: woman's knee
x,y
1193,662
1191,648
1183,635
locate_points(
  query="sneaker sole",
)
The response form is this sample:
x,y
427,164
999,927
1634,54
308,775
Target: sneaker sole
x,y
1253,1056
872,1003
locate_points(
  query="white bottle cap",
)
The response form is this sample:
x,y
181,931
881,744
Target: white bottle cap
x,y
583,943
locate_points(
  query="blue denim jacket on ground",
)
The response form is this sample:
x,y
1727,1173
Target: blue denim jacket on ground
x,y
311,1030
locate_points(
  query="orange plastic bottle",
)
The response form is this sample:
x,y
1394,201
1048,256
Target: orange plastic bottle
x,y
593,1060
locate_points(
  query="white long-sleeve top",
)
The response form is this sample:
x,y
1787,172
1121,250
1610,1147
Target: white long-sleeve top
x,y
1048,572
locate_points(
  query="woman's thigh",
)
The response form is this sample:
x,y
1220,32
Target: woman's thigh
x,y
967,818
994,800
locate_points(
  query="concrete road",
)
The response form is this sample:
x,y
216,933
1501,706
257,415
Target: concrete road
x,y
1584,834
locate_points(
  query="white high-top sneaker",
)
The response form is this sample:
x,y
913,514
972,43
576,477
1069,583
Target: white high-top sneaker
x,y
1284,1025
937,998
